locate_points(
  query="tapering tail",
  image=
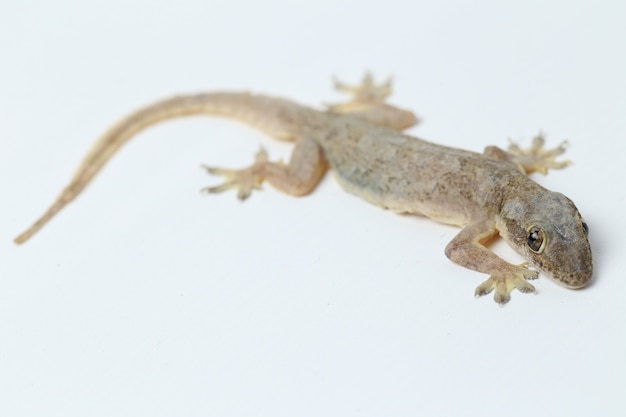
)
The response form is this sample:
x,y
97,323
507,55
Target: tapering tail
x,y
272,115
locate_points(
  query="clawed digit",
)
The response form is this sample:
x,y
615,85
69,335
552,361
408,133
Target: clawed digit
x,y
366,92
504,285
243,180
536,158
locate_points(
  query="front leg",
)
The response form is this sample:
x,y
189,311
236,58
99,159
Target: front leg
x,y
304,171
467,249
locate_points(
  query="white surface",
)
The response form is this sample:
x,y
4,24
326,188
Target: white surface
x,y
145,298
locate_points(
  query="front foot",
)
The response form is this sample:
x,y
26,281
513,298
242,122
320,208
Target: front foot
x,y
537,158
243,180
505,284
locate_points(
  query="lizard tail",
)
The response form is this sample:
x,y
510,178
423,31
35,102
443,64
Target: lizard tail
x,y
269,114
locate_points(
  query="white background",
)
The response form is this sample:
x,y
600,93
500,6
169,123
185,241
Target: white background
x,y
146,298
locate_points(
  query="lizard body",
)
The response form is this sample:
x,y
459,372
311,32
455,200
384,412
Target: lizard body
x,y
361,142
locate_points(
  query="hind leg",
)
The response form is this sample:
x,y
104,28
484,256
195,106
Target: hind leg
x,y
369,103
304,171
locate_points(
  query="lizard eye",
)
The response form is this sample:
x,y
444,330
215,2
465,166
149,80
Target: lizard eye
x,y
536,239
586,228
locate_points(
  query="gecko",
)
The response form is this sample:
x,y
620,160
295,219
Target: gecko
x,y
362,142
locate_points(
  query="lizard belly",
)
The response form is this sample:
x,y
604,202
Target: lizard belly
x,y
441,211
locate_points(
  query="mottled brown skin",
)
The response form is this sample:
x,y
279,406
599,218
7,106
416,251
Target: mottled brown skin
x,y
360,141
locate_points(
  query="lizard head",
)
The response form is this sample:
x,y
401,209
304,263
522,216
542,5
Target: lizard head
x,y
549,232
